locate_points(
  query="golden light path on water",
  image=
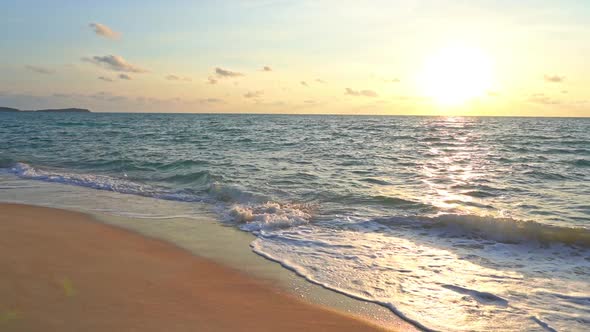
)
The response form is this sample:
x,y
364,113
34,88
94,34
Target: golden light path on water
x,y
453,167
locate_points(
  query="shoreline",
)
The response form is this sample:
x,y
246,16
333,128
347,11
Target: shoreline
x,y
110,278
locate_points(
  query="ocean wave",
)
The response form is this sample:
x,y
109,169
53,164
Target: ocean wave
x,y
102,182
180,164
252,212
233,194
545,175
479,193
357,198
581,162
505,230
84,180
397,202
376,181
200,177
270,215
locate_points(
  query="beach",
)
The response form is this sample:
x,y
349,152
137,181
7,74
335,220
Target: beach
x,y
64,271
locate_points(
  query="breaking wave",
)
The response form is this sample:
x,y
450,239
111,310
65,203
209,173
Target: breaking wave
x,y
269,215
504,230
250,211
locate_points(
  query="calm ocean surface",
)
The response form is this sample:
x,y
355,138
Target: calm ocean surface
x,y
454,223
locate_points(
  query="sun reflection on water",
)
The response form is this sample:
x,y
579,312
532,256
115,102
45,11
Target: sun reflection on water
x,y
454,167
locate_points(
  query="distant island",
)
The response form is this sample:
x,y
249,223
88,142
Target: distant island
x,y
56,110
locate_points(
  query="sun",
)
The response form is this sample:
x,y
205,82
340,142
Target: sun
x,y
456,74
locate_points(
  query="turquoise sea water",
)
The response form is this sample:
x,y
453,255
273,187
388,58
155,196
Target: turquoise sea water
x,y
454,223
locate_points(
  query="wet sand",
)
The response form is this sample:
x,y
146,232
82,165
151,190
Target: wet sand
x,y
63,271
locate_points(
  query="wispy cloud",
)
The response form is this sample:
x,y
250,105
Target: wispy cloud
x,y
212,80
62,95
319,80
266,68
211,101
104,31
40,70
202,101
393,80
104,78
224,73
125,77
254,94
541,98
178,78
554,78
115,63
360,93
104,96
304,83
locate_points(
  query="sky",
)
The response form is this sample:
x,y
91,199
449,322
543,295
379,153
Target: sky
x,y
415,57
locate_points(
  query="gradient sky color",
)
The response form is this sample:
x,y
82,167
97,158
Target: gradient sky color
x,y
265,56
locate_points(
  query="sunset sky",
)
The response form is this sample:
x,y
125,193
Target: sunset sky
x,y
479,57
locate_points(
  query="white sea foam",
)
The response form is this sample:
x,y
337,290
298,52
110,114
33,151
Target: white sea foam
x,y
84,198
101,182
84,180
448,284
270,215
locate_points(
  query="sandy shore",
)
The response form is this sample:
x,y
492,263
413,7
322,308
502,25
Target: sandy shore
x,y
62,271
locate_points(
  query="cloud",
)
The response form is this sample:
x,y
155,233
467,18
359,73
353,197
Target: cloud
x,y
106,79
554,78
115,63
541,98
224,73
211,101
360,93
319,80
39,70
106,96
266,68
202,101
178,78
254,94
493,93
104,31
303,83
393,80
62,95
212,80
125,77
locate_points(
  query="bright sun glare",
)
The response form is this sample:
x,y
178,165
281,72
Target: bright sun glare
x,y
455,75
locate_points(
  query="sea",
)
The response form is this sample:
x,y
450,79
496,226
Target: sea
x,y
453,223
